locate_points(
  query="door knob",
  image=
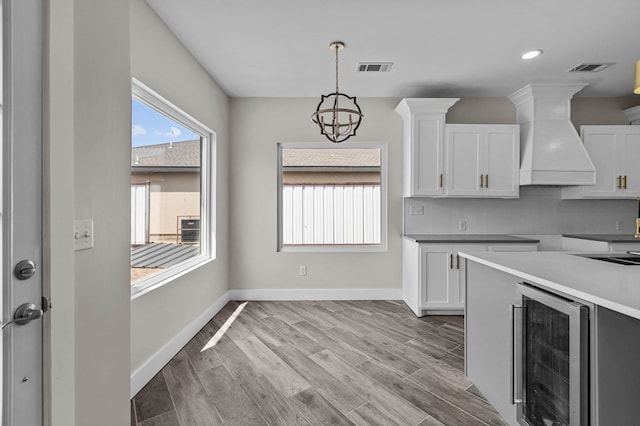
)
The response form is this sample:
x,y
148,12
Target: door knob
x,y
25,313
25,269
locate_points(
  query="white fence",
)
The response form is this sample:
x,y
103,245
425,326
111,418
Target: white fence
x,y
139,213
331,214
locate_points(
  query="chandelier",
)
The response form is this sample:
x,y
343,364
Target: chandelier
x,y
337,115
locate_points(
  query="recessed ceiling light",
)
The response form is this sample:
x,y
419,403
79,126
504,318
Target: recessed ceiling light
x,y
531,54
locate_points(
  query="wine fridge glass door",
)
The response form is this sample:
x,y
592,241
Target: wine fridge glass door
x,y
554,360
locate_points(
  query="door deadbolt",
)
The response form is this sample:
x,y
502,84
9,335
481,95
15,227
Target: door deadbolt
x,y
25,269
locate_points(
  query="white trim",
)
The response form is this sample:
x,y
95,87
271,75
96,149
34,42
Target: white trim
x,y
316,294
156,362
153,100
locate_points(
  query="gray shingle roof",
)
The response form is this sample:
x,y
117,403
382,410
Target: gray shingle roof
x,y
173,154
327,157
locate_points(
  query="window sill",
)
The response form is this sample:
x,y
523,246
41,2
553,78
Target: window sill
x,y
145,286
338,248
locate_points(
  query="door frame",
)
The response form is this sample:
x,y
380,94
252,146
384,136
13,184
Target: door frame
x,y
22,202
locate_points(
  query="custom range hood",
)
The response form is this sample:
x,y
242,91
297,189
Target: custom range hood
x,y
551,152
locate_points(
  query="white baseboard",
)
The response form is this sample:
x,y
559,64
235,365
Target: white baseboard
x,y
145,373
317,294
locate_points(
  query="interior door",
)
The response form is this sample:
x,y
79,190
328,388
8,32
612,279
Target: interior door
x,y
22,33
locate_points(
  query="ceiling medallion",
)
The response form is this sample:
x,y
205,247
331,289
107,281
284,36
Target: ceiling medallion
x,y
337,122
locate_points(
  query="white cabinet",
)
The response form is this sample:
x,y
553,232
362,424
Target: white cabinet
x,y
431,278
423,131
615,151
470,160
482,160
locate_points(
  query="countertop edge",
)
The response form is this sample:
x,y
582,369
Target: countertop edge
x,y
550,285
606,238
445,239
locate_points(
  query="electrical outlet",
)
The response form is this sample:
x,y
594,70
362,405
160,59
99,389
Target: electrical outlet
x,y
462,225
303,269
416,210
619,225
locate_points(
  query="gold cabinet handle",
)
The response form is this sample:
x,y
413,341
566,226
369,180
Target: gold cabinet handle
x,y
440,180
619,182
481,182
624,182
486,181
450,260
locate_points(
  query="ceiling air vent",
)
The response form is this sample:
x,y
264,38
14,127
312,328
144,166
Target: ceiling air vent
x,y
374,66
591,67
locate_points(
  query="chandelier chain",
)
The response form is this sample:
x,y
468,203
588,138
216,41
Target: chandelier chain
x,y
337,91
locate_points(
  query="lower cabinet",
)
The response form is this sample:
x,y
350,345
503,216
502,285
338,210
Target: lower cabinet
x,y
431,274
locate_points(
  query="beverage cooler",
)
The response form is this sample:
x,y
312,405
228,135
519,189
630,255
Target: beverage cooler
x,y
550,359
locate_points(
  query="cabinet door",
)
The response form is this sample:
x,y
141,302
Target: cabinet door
x,y
464,167
502,161
427,153
601,144
490,294
629,143
437,264
456,280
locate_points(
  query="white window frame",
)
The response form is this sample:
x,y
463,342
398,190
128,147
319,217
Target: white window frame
x,y
150,98
337,248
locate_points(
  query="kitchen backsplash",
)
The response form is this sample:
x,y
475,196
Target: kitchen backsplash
x,y
539,210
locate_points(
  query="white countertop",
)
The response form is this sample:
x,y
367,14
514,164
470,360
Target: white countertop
x,y
612,286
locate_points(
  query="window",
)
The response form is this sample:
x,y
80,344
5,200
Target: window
x,y
171,191
332,198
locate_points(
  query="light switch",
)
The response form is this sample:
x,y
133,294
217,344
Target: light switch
x,y
83,234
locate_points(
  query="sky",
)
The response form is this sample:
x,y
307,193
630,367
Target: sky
x,y
150,127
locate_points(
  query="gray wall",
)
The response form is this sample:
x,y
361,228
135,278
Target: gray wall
x,y
161,62
87,133
257,125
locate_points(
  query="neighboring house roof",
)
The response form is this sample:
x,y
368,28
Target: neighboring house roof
x,y
161,255
327,157
172,154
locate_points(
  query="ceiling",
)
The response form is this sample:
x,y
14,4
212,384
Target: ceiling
x,y
439,48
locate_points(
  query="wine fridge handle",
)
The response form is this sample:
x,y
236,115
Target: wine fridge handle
x,y
516,357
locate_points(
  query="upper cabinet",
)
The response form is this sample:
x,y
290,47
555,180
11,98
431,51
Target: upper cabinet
x,y
457,160
615,151
482,160
424,145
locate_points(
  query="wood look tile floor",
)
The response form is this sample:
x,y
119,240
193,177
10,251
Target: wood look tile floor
x,y
317,363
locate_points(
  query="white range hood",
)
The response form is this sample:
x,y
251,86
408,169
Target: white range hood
x,y
551,152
